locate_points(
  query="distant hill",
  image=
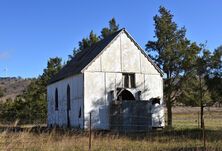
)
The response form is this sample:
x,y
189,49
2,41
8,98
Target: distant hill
x,y
13,86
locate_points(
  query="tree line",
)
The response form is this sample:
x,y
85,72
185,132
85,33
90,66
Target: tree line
x,y
193,74
31,106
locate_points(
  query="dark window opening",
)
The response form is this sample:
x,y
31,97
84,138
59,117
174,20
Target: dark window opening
x,y
80,112
56,99
129,80
68,98
125,95
155,100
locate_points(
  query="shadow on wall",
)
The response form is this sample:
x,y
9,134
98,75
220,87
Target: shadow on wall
x,y
101,107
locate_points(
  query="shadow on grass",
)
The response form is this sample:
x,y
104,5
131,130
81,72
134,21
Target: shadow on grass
x,y
211,135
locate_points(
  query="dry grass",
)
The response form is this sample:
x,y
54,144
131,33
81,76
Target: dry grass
x,y
174,140
185,136
13,87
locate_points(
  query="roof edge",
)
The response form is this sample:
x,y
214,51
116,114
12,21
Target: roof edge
x,y
137,45
120,31
143,52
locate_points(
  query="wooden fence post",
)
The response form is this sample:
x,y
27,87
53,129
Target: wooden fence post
x,y
204,135
198,119
90,131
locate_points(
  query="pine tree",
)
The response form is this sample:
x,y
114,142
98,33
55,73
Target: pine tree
x,y
93,38
174,54
88,42
113,27
214,79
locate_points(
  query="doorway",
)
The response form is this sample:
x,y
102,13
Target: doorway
x,y
124,94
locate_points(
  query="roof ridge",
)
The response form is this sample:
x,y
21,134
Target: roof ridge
x,y
82,59
93,45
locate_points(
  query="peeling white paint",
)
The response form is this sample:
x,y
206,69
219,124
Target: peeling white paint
x,y
90,90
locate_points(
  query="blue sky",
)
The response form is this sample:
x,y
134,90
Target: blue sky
x,y
31,31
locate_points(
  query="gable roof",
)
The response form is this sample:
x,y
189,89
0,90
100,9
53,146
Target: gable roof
x,y
83,58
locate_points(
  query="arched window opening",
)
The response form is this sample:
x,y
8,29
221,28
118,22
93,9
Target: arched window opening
x,y
68,98
125,95
56,99
80,112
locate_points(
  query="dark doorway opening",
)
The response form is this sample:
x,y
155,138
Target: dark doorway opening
x,y
124,94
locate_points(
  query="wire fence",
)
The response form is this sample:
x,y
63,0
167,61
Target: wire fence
x,y
20,135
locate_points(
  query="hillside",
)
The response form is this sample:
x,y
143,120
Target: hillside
x,y
13,86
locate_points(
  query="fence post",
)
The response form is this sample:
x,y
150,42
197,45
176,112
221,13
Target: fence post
x,y
198,118
90,131
204,135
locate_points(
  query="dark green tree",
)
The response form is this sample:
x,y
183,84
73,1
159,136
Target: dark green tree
x,y
93,38
74,52
174,54
31,106
202,69
84,44
35,95
113,27
214,79
88,42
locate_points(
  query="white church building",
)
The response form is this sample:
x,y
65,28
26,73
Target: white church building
x,y
115,80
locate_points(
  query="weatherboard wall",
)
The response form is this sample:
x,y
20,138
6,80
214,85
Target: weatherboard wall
x,y
104,74
59,117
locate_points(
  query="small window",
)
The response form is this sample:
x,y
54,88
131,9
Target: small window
x,y
80,113
56,99
68,98
129,80
132,80
155,100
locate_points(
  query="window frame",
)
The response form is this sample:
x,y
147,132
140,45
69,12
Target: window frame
x,y
129,80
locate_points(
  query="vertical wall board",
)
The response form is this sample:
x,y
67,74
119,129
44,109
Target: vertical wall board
x,y
147,67
110,86
100,77
95,65
139,78
110,58
76,91
94,98
130,55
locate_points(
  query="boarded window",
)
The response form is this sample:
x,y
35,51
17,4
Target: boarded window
x,y
56,99
129,80
68,98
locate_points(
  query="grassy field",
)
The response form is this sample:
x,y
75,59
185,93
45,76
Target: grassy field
x,y
185,136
